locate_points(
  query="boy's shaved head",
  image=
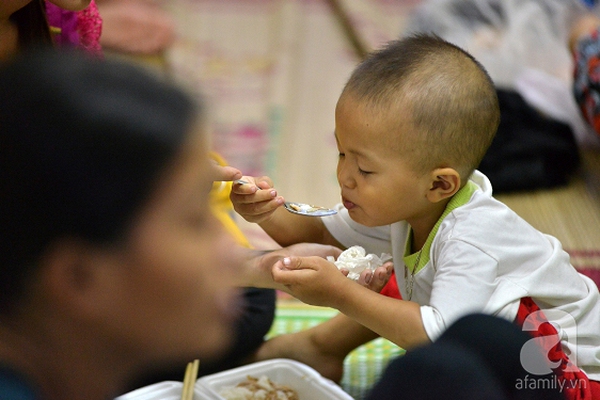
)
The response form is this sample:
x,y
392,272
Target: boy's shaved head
x,y
441,90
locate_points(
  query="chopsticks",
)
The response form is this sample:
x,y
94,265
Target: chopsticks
x,y
189,380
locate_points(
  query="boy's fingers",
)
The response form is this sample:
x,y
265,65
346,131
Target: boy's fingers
x,y
377,279
264,182
240,192
295,263
244,186
365,278
285,271
382,275
389,268
291,263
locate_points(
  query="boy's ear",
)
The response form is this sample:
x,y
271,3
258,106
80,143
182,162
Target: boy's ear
x,y
445,182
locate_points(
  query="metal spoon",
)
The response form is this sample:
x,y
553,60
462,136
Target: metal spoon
x,y
301,208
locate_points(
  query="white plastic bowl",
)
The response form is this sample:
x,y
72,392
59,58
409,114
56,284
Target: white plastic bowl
x,y
307,382
167,390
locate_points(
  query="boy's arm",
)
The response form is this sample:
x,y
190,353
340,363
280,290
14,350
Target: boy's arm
x,y
317,281
259,202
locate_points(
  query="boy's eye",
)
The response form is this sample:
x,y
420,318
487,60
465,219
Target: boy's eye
x,y
340,155
363,172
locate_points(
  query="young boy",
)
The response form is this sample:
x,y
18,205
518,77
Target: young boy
x,y
412,124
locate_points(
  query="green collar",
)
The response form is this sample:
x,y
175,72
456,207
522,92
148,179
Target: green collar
x,y
461,197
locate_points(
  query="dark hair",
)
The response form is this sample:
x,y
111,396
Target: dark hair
x,y
32,25
445,93
82,142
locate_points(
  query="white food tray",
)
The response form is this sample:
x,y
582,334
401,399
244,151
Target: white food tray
x,y
167,390
307,382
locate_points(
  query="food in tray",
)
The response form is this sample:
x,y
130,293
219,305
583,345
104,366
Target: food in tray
x,y
261,388
355,260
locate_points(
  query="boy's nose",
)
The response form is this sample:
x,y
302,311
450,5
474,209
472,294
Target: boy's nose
x,y
345,178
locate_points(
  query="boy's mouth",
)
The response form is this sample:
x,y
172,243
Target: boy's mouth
x,y
348,204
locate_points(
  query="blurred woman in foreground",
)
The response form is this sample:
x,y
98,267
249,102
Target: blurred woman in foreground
x,y
110,259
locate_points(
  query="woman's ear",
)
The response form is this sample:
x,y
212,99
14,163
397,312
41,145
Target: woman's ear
x,y
73,275
445,182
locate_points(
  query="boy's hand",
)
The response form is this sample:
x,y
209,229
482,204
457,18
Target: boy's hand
x,y
312,280
256,200
377,279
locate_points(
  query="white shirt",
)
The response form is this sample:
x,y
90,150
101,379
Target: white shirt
x,y
485,258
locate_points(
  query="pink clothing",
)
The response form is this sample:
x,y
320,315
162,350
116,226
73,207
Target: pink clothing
x,y
63,24
89,27
81,29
